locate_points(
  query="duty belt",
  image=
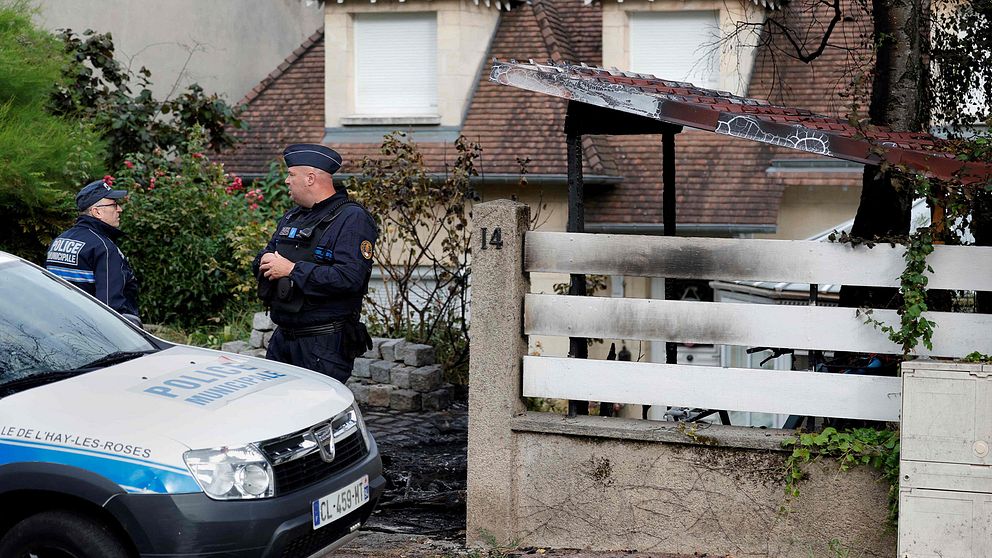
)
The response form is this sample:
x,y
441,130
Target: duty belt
x,y
311,331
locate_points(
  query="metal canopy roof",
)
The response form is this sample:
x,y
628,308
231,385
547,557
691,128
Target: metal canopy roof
x,y
684,104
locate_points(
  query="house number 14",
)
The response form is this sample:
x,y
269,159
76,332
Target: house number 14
x,y
496,240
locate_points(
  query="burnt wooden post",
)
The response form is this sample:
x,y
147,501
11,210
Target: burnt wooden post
x,y
578,347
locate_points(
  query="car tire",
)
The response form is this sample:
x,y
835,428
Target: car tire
x,y
61,534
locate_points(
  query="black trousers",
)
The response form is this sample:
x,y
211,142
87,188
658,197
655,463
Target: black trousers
x,y
320,353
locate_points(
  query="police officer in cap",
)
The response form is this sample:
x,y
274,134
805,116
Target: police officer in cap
x,y
86,255
315,270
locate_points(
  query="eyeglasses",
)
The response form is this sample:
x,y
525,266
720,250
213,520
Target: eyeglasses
x,y
115,204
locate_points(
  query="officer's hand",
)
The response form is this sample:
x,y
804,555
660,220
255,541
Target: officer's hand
x,y
273,266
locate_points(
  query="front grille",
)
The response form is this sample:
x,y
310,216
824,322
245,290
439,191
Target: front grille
x,y
297,459
298,473
312,542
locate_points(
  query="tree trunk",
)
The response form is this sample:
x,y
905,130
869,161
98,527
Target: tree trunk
x,y
898,101
981,228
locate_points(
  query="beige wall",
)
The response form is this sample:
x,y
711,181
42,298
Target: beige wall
x,y
463,34
736,59
227,46
808,210
590,483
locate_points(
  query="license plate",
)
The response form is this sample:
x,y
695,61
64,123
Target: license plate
x,y
339,504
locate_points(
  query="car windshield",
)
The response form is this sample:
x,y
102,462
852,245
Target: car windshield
x,y
47,327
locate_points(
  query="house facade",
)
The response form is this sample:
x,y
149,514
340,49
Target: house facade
x,y
423,67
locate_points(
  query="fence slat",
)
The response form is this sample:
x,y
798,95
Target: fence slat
x,y
750,325
738,389
796,261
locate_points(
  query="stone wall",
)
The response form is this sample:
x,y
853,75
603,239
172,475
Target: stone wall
x,y
394,374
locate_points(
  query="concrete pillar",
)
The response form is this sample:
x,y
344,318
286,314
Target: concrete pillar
x,y
498,346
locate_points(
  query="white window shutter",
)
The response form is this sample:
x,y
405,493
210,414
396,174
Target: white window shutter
x,y
677,46
396,64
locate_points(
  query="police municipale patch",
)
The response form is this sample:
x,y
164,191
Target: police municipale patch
x,y
366,249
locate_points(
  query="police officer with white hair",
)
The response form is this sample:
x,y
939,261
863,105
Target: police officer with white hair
x,y
315,270
86,255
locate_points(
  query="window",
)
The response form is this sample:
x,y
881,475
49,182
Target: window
x,y
396,64
679,46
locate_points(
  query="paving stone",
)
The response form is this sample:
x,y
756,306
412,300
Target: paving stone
x,y
256,339
426,379
361,392
260,353
437,400
379,395
361,368
400,376
262,322
379,371
388,349
415,354
234,346
404,400
375,351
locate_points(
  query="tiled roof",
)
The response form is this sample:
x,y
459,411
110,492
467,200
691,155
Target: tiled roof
x,y
528,125
720,180
286,107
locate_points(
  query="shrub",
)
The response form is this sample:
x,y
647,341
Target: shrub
x,y
97,89
423,251
189,233
44,159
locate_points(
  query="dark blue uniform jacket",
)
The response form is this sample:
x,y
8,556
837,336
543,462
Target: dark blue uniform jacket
x,y
335,281
87,257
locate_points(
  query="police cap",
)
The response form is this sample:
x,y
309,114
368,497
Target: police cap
x,y
96,191
312,155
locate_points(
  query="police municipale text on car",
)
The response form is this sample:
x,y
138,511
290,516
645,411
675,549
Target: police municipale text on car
x,y
114,443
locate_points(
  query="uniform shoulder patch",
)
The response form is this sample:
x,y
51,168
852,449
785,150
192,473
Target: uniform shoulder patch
x,y
366,248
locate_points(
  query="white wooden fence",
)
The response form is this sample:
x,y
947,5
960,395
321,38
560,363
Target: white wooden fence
x,y
800,327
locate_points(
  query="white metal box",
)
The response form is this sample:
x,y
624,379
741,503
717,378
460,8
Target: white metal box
x,y
944,524
946,412
945,475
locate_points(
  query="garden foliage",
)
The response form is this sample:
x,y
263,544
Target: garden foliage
x,y
191,233
97,88
44,159
424,249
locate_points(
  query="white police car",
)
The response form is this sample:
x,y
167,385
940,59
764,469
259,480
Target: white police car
x,y
116,444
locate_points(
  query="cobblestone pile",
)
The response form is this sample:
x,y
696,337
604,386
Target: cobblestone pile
x,y
399,375
394,374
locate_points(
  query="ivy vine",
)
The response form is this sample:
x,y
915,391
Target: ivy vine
x,y
914,327
878,449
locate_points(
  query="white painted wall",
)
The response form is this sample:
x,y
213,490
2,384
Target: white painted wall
x,y
227,46
736,57
463,33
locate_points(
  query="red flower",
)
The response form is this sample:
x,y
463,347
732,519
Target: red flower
x,y
129,164
198,155
109,180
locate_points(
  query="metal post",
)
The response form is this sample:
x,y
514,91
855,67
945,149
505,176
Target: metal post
x,y
668,215
577,346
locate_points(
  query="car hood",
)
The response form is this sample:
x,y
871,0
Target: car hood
x,y
187,396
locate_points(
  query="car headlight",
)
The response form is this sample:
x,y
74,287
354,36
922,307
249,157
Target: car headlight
x,y
361,426
231,473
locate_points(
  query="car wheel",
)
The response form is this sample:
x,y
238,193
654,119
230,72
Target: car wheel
x,y
61,534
